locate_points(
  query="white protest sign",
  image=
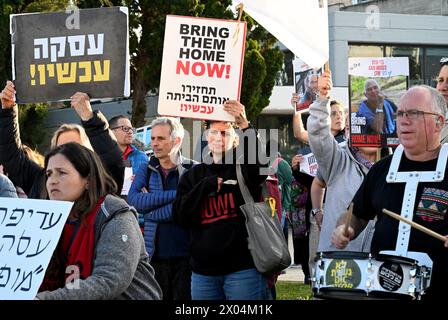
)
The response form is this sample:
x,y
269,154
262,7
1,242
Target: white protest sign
x,y
378,67
201,68
309,164
302,26
29,230
127,181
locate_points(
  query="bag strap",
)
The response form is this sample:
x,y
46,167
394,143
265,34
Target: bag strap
x,y
242,184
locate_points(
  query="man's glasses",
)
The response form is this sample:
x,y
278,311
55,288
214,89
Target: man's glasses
x,y
444,61
124,128
414,114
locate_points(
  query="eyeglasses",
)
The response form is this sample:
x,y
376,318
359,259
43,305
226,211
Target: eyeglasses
x,y
414,114
336,113
444,61
124,128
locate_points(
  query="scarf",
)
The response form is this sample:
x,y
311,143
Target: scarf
x,y
75,249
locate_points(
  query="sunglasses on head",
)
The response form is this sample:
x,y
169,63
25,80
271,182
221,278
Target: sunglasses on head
x,y
444,61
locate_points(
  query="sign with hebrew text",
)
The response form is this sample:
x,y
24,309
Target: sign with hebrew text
x,y
29,232
55,55
201,68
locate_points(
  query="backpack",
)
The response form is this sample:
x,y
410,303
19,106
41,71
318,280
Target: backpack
x,y
299,195
273,189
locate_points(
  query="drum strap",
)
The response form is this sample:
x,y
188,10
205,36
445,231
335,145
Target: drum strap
x,y
412,178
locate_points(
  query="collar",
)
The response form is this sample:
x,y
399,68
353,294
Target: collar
x,y
127,152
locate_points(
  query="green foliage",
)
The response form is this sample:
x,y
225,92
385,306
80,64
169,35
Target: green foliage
x,y
262,61
31,122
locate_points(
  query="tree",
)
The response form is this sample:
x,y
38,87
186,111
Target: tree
x,y
262,59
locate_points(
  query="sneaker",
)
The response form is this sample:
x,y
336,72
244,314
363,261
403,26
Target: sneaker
x,y
296,266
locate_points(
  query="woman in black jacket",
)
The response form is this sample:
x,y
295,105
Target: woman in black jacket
x,y
27,174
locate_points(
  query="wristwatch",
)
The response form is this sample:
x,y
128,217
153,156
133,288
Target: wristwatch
x,y
316,211
378,110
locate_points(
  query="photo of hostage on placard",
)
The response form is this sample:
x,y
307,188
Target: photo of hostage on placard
x,y
305,85
376,86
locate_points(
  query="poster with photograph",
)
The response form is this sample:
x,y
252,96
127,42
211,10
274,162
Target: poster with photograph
x,y
143,139
305,84
202,66
52,59
375,88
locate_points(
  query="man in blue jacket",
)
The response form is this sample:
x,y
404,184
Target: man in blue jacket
x,y
124,132
152,192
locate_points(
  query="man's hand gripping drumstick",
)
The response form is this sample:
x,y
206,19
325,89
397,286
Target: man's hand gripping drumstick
x,y
344,232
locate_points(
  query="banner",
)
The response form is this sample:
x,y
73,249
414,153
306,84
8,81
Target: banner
x,y
302,26
55,55
202,67
30,231
375,88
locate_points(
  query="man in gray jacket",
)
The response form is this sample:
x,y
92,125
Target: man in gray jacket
x,y
342,167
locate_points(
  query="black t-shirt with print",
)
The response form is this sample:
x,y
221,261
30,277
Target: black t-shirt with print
x,y
430,210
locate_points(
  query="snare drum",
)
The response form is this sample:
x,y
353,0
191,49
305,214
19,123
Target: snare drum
x,y
359,276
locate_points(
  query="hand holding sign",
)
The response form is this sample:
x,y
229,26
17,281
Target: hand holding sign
x,y
80,101
236,109
325,84
7,95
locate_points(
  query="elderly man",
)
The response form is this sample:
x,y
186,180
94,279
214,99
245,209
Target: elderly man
x,y
377,110
420,119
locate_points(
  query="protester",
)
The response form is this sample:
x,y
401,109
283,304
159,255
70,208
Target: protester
x,y
420,119
110,256
124,133
94,132
7,189
442,87
208,202
377,110
152,193
342,167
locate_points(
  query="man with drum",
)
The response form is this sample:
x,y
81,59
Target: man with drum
x,y
413,182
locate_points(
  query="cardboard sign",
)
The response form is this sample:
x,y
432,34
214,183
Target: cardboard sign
x,y
53,59
376,86
29,231
201,68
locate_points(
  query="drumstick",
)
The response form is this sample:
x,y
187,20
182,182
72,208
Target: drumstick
x,y
415,225
349,217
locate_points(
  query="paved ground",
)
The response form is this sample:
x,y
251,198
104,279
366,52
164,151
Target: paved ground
x,y
292,273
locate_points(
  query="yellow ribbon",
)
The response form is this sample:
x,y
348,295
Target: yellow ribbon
x,y
271,202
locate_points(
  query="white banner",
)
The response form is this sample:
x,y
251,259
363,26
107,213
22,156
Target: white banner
x,y
29,230
378,67
201,68
302,26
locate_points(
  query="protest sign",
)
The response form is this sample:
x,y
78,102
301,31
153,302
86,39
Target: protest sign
x,y
305,84
52,59
202,67
143,136
302,26
375,88
30,231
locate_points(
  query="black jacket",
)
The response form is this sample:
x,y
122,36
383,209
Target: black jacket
x,y
30,176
